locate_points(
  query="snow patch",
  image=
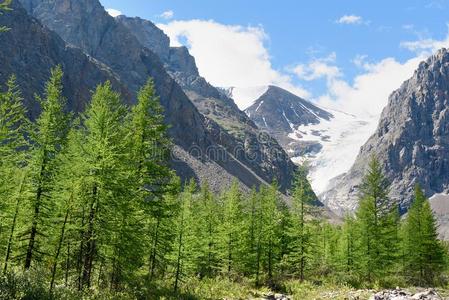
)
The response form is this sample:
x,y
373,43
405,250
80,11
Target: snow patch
x,y
292,126
341,138
265,122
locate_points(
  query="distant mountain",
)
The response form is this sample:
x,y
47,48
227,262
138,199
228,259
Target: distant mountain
x,y
411,140
327,139
281,113
106,49
280,110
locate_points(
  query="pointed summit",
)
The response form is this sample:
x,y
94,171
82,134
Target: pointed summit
x,y
278,110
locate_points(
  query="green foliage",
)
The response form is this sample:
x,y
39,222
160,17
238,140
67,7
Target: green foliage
x,y
377,222
300,230
423,252
48,137
182,256
91,206
206,224
229,231
4,6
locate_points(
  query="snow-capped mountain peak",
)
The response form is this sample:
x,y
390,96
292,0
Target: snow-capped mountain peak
x,y
329,140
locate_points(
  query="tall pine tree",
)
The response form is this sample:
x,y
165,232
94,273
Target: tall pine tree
x,y
14,127
300,231
47,139
423,252
377,221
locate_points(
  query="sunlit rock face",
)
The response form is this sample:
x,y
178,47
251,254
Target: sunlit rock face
x,y
411,140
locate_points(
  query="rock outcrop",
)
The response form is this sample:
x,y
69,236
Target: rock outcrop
x,y
401,294
411,141
29,51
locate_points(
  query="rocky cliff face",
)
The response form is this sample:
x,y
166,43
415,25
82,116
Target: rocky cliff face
x,y
29,50
85,25
148,34
411,141
256,150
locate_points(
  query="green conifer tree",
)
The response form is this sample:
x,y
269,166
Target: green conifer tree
x,y
230,234
149,161
106,178
270,230
377,221
47,139
4,6
13,146
423,252
300,231
206,221
183,248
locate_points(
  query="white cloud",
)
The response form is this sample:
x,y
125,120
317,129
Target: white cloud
x,y
363,100
359,60
426,46
350,19
169,14
368,94
114,12
318,68
230,56
408,27
236,56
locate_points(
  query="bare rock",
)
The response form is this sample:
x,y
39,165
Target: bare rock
x,y
411,140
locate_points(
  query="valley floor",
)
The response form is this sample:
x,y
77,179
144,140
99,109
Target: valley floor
x,y
30,285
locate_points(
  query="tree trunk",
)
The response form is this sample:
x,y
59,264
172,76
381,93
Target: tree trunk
x,y
90,244
66,277
13,227
58,250
153,251
37,205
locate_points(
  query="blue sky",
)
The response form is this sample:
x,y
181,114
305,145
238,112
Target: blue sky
x,y
299,33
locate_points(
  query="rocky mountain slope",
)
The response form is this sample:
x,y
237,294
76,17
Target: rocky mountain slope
x,y
411,141
440,206
210,101
29,51
281,113
94,48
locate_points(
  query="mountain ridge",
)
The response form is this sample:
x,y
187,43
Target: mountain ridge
x,y
213,103
87,26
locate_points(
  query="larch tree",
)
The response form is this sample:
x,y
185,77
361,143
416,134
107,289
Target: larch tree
x,y
105,180
13,145
4,6
183,246
230,242
252,234
300,231
150,149
423,252
347,255
377,221
270,230
47,139
206,232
